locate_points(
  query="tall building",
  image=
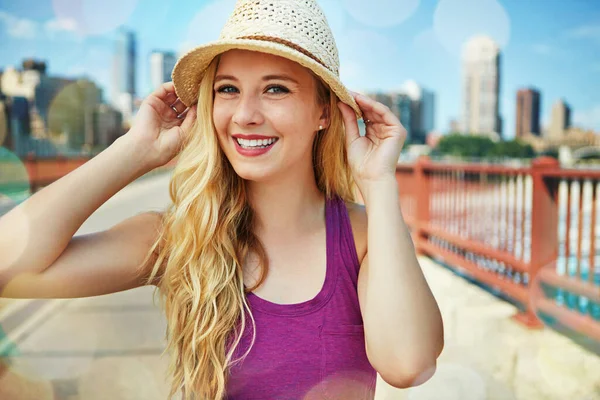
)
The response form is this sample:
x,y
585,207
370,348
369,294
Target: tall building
x,y
17,114
161,66
403,106
124,73
528,112
560,120
423,111
481,86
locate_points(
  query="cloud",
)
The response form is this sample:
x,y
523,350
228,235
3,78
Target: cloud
x,y
542,49
63,29
591,32
589,118
61,24
21,28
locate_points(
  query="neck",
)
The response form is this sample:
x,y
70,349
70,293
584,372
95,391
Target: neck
x,y
287,205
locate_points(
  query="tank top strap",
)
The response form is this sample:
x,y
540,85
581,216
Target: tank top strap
x,y
345,247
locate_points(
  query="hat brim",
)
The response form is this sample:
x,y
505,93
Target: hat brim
x,y
189,69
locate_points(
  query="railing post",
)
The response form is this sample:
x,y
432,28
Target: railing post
x,y
421,186
544,231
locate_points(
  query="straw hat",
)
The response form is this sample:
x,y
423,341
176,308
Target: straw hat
x,y
294,29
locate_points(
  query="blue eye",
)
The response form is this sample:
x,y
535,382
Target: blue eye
x,y
280,89
222,89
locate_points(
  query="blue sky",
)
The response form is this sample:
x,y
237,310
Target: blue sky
x,y
553,45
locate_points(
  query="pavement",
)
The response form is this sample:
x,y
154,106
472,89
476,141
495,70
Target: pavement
x,y
109,347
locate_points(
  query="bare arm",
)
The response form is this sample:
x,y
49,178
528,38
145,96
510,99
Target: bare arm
x,y
35,233
37,248
403,323
94,264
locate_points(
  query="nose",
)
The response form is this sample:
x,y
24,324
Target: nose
x,y
248,111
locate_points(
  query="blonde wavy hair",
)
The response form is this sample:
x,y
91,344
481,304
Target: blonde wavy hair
x,y
207,233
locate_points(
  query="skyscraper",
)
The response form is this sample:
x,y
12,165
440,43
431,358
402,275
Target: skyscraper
x,y
560,119
481,86
528,112
124,73
423,109
161,66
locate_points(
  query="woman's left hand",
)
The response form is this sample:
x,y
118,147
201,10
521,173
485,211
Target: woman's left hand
x,y
372,157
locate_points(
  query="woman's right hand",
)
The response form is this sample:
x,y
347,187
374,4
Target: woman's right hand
x,y
156,127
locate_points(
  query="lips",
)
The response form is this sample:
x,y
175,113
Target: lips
x,y
252,152
252,137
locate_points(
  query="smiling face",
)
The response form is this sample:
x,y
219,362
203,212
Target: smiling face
x,y
266,114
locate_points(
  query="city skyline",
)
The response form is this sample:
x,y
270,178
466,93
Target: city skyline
x,y
560,58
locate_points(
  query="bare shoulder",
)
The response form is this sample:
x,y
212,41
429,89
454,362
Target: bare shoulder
x,y
358,219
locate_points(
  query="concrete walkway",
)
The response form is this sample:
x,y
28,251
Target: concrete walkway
x,y
487,355
109,347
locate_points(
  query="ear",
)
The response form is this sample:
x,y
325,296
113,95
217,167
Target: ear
x,y
324,119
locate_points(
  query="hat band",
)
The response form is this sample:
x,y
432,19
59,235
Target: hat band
x,y
285,43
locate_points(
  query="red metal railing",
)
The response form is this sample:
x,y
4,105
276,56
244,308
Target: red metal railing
x,y
522,231
43,172
501,226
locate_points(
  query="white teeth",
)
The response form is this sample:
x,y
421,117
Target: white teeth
x,y
255,143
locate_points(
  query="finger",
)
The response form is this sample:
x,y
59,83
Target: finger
x,y
190,117
178,107
350,123
171,98
375,111
166,92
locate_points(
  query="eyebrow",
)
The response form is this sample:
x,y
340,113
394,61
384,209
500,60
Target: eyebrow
x,y
264,78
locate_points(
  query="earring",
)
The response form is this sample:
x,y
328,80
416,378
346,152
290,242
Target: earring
x,y
320,127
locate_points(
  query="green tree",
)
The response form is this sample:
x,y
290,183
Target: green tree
x,y
480,146
465,145
512,148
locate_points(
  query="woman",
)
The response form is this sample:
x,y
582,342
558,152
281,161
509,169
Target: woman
x,y
273,283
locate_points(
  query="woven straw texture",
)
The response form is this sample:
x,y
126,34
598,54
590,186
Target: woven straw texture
x,y
294,29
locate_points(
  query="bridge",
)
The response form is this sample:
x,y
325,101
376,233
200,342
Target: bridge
x,y
518,295
570,156
586,152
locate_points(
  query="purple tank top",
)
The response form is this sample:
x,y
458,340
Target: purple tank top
x,y
314,349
